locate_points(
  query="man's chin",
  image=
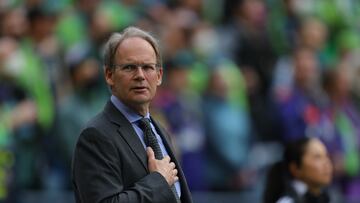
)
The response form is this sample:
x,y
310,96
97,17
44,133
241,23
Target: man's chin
x,y
141,100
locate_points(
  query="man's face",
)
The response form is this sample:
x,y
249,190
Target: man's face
x,y
136,87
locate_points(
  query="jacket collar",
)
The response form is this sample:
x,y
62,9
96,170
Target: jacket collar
x,y
126,131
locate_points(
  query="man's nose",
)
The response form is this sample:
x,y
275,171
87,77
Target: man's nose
x,y
139,73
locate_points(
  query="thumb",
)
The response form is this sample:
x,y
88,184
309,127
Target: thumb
x,y
150,153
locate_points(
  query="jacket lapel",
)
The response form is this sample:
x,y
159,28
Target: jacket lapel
x,y
127,132
130,136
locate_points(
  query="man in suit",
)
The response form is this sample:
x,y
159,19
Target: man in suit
x,y
113,160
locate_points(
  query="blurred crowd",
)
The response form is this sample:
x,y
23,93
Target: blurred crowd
x,y
242,78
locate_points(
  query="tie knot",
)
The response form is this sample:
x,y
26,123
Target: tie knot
x,y
144,124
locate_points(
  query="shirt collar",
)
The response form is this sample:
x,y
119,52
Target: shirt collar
x,y
300,187
130,114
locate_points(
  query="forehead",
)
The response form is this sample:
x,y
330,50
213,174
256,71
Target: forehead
x,y
135,49
315,147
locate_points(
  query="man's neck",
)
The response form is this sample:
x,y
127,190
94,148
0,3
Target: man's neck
x,y
141,109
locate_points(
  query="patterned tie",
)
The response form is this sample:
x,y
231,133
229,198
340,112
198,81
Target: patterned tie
x,y
151,141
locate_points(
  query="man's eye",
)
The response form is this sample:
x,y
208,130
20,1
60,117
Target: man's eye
x,y
129,67
148,67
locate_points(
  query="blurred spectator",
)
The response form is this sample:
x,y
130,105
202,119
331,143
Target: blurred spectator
x,y
43,44
255,57
20,132
310,34
87,98
300,108
34,72
254,52
284,23
14,23
344,142
228,129
302,176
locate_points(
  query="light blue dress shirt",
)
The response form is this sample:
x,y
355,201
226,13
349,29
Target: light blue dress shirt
x,y
133,117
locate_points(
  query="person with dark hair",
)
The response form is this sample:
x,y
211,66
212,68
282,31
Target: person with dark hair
x,y
302,176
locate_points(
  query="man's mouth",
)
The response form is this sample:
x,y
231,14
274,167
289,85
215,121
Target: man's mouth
x,y
139,88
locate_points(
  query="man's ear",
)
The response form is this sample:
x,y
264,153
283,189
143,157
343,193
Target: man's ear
x,y
108,72
159,74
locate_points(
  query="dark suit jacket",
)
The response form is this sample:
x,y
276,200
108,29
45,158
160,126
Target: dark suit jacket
x,y
110,164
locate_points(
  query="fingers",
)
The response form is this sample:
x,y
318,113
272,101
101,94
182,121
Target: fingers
x,y
175,172
167,158
150,153
174,176
172,165
164,166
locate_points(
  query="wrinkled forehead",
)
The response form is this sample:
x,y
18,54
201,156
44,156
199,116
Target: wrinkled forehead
x,y
135,49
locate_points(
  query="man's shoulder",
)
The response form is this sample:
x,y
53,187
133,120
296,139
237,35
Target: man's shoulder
x,y
99,123
101,120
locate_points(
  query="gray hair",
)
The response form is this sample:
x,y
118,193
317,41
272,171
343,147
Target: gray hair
x,y
117,38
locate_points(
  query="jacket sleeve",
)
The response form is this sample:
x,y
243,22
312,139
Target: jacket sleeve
x,y
97,175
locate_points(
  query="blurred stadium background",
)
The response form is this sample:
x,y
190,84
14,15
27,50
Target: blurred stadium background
x,y
242,77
